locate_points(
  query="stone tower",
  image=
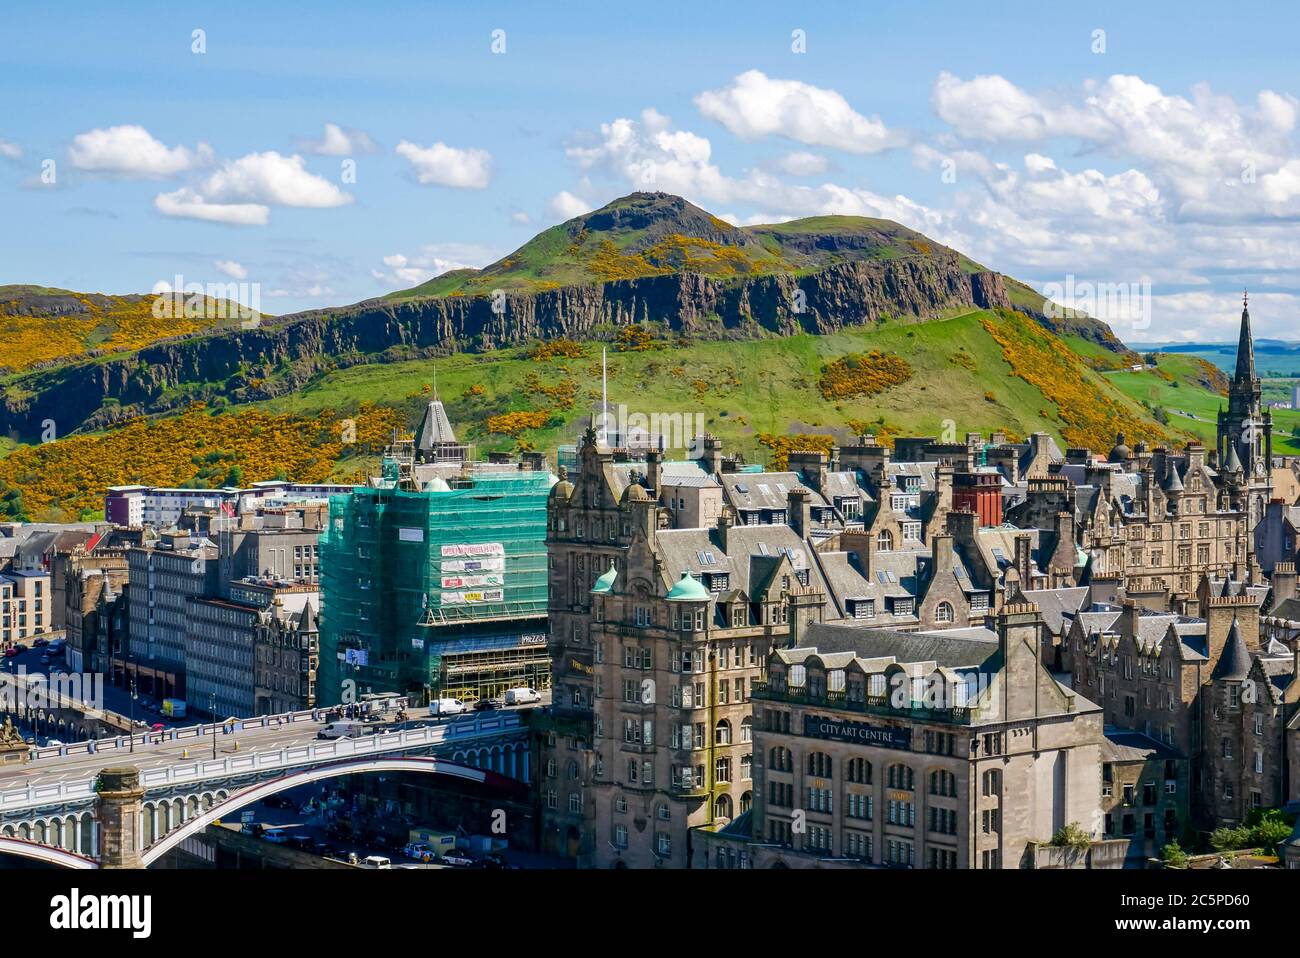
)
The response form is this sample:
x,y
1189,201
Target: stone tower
x,y
1246,428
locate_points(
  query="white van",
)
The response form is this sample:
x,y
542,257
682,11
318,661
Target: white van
x,y
376,861
344,729
522,696
276,836
446,707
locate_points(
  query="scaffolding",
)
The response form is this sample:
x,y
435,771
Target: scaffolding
x,y
405,571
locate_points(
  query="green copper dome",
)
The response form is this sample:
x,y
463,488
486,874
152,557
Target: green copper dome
x,y
688,589
606,582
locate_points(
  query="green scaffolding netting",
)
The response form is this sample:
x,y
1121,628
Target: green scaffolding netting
x,y
400,567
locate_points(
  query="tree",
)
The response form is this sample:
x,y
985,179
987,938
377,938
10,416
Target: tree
x,y
1174,856
1229,839
1072,836
1270,829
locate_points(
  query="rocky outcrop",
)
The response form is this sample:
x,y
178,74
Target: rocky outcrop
x,y
281,355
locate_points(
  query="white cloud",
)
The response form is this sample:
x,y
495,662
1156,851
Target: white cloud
x,y
520,218
232,269
402,271
1204,150
10,150
189,204
802,164
339,141
565,206
131,151
272,179
649,154
755,105
242,191
442,165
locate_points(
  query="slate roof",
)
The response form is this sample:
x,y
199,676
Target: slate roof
x,y
1057,606
1234,660
947,649
1129,745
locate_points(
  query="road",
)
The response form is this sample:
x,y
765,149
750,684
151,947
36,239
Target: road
x,y
149,753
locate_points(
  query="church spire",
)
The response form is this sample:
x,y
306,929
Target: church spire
x,y
1245,345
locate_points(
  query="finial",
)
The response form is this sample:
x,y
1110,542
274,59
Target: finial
x,y
1245,299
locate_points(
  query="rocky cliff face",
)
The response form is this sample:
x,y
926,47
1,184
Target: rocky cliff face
x,y
280,355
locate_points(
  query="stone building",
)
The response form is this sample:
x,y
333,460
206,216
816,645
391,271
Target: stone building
x,y
1144,793
1203,687
162,577
286,651
657,636
92,588
932,750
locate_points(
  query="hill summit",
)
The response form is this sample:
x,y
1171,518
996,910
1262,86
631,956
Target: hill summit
x,y
658,234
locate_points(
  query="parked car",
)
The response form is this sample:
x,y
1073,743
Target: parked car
x,y
419,851
37,643
276,836
457,859
487,705
12,652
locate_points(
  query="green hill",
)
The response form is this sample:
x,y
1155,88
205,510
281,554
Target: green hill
x,y
41,326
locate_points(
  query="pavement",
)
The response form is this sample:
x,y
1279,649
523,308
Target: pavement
x,y
148,752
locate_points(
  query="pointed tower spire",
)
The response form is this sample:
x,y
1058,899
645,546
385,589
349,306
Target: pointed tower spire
x,y
1245,345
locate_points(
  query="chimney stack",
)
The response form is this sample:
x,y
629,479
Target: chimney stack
x,y
799,511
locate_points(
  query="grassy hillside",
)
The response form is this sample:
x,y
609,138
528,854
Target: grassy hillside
x,y
977,371
1178,386
958,379
41,325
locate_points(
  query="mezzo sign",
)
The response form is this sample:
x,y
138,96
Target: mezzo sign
x,y
815,727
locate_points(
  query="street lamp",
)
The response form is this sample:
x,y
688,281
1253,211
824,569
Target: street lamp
x,y
134,696
212,710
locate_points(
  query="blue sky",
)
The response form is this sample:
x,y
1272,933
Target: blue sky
x,y
1166,163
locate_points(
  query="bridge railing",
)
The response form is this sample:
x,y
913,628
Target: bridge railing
x,y
92,746
289,756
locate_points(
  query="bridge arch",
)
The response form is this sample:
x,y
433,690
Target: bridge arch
x,y
45,853
256,793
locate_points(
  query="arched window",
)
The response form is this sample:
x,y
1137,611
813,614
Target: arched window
x,y
722,807
884,541
819,764
943,783
572,770
993,783
746,802
722,733
780,759
900,777
747,729
944,612
858,771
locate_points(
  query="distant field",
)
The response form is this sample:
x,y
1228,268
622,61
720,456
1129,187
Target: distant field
x,y
1272,357
1193,409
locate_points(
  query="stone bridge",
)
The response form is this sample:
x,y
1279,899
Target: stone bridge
x,y
126,802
